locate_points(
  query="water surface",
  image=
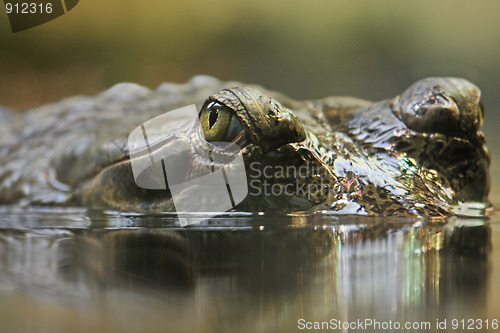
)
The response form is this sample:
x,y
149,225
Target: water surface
x,y
81,271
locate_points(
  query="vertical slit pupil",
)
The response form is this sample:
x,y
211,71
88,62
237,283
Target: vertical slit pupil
x,y
214,114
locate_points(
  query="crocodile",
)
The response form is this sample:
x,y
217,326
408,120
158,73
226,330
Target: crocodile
x,y
420,153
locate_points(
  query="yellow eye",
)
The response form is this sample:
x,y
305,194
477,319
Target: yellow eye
x,y
219,124
481,114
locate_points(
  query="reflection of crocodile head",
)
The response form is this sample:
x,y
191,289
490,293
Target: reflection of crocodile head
x,y
418,154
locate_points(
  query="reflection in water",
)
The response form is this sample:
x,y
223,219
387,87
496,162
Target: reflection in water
x,y
249,273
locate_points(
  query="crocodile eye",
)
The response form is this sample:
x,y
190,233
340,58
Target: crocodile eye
x,y
481,114
219,124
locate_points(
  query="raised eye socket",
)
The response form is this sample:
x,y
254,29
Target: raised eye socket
x,y
434,103
219,124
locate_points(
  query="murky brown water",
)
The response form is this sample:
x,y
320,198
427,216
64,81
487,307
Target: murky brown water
x,y
78,271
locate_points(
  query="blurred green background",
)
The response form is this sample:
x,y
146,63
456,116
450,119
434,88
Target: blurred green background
x,y
368,49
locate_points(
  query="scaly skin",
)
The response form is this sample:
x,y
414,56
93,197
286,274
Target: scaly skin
x,y
420,153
